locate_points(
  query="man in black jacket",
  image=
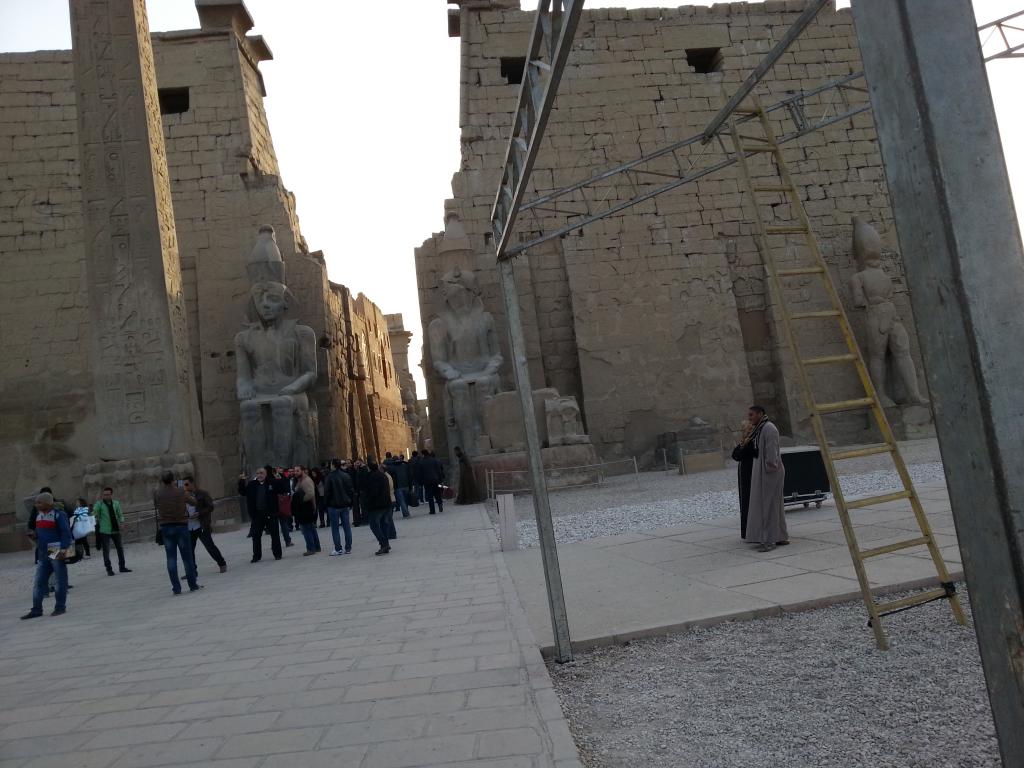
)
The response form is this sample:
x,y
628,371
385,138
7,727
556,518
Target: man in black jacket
x,y
338,494
416,475
398,468
200,527
377,504
433,475
261,502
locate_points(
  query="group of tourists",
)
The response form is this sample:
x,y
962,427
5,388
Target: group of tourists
x,y
762,479
341,494
184,517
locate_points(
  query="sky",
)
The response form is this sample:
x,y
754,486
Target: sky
x,y
363,98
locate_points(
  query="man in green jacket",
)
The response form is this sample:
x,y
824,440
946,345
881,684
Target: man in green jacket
x,y
109,519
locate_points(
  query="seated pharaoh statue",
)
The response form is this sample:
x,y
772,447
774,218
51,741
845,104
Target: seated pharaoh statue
x,y
872,289
465,353
276,367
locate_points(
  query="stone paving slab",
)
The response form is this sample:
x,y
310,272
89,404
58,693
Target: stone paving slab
x,y
642,583
424,657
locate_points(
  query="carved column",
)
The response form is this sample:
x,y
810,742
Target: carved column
x,y
146,402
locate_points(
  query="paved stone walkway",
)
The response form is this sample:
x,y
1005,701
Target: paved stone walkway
x,y
423,657
640,584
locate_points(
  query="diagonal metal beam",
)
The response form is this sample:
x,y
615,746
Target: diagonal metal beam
x,y
554,28
805,18
1002,30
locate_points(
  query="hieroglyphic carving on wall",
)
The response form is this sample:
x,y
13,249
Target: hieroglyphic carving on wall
x,y
144,390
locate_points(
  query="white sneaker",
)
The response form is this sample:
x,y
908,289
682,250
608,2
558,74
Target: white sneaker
x,y
337,552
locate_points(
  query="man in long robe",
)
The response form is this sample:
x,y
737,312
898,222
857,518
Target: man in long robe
x,y
766,517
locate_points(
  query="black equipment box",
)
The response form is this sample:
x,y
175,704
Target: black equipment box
x,y
806,478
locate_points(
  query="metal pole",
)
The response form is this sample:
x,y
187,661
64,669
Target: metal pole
x,y
636,472
964,263
541,503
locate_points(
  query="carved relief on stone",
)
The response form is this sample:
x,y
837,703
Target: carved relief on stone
x,y
276,368
565,424
872,289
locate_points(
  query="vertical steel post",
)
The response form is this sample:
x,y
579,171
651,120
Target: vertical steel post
x,y
964,262
541,503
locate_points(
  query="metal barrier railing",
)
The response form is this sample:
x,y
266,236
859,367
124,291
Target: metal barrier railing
x,y
555,477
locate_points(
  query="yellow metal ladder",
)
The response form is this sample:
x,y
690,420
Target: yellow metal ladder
x,y
746,149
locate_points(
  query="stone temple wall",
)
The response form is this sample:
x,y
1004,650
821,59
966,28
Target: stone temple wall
x,y
225,184
661,313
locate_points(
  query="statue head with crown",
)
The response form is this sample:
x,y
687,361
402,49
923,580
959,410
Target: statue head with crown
x,y
275,360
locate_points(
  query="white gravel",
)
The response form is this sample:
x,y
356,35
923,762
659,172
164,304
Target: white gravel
x,y
803,691
709,505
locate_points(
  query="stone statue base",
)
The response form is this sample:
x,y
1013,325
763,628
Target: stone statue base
x,y
135,480
910,422
565,466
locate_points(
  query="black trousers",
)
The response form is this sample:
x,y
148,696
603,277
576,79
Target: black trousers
x,y
744,475
105,539
378,524
433,491
205,535
261,524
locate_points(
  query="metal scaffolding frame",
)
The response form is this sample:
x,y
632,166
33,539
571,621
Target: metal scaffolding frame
x,y
1001,30
903,36
554,28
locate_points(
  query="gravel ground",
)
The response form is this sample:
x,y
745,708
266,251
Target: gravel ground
x,y
801,690
606,520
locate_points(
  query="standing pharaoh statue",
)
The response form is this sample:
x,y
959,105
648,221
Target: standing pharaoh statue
x,y
276,367
465,353
872,289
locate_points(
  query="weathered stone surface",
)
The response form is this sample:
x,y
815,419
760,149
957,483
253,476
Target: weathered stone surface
x,y
873,290
466,356
662,311
276,368
144,389
225,182
503,419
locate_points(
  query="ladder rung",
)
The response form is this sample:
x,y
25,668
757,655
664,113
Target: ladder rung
x,y
765,148
895,547
786,230
774,188
870,501
814,315
845,405
906,602
856,453
799,271
829,359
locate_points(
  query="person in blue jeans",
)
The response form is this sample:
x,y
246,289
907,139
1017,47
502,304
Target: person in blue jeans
x,y
339,493
171,502
401,476
53,536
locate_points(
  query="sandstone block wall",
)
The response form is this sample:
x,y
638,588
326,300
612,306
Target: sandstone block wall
x,y
225,183
662,313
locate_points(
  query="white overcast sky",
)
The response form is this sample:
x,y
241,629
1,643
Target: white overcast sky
x,y
363,101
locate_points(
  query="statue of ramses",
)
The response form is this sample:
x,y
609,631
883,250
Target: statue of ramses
x,y
872,289
276,367
465,353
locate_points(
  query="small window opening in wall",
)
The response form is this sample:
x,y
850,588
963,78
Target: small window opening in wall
x,y
173,101
512,69
704,60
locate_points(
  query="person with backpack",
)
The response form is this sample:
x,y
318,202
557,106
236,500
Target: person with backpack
x,y
339,493
52,534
